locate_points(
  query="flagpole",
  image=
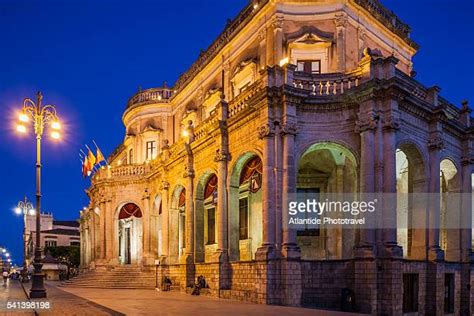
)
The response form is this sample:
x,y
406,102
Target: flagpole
x,y
97,147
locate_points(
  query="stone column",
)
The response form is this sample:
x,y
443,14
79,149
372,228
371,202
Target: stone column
x,y
222,157
262,48
92,233
189,175
102,231
146,217
277,24
466,217
290,247
109,212
435,144
366,126
266,134
341,23
390,126
165,246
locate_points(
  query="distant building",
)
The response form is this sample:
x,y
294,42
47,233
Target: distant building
x,y
53,233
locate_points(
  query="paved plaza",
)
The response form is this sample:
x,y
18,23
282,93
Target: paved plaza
x,y
84,301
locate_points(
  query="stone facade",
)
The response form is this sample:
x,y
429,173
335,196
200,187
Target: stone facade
x,y
312,96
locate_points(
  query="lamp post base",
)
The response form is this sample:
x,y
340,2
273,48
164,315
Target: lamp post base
x,y
37,288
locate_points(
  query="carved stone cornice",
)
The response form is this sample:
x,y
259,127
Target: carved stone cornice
x,y
390,123
266,130
289,128
340,19
222,156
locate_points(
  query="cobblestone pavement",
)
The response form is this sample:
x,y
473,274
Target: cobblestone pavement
x,y
151,302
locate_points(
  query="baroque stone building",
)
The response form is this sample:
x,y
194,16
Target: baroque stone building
x,y
294,96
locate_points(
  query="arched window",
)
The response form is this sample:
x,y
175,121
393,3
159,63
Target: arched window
x,y
210,200
252,173
129,210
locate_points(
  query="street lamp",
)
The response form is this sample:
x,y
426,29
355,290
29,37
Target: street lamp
x,y
41,116
25,208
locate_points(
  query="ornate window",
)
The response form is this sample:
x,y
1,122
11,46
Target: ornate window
x,y
210,199
252,173
243,218
310,52
244,75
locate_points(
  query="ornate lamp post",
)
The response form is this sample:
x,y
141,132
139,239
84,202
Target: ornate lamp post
x,y
41,116
24,208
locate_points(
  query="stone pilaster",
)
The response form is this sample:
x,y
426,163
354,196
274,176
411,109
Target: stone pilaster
x,y
165,221
390,124
290,248
341,23
266,134
277,24
109,232
366,126
146,255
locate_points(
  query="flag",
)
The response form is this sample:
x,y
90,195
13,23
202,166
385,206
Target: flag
x,y
99,156
91,160
85,167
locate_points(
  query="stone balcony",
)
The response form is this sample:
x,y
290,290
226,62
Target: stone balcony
x,y
150,96
123,172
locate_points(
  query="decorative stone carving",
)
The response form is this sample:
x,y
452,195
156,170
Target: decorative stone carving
x,y
341,20
467,160
435,142
390,123
221,156
366,123
165,185
289,128
262,34
277,22
266,130
146,194
188,173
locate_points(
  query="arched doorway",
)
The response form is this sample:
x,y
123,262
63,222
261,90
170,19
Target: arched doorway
x,y
130,233
326,169
246,231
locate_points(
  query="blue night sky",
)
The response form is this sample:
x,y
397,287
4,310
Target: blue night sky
x,y
89,57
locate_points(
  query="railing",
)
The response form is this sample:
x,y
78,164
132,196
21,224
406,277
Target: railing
x,y
326,84
125,171
129,170
239,103
153,95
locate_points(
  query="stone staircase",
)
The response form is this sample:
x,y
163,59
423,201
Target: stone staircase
x,y
121,277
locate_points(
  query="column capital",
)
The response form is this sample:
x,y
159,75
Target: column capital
x,y
435,142
277,21
262,34
165,185
340,19
467,160
146,195
367,123
266,130
222,156
289,128
390,123
188,173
